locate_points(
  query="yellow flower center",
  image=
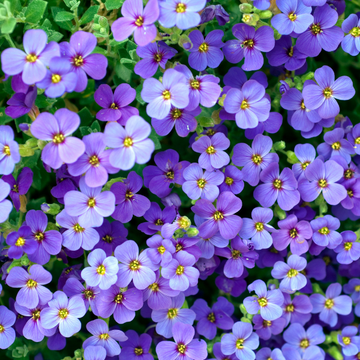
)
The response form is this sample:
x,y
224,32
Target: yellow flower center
x,y
36,315
104,336
101,270
128,142
20,242
181,348
292,16
291,51
348,245
229,181
180,8
240,343
58,138
39,236
204,47
304,343
211,317
357,140
172,313
248,43
184,222
195,84
201,183
235,254
2,329
55,78
180,270
63,313
108,239
31,58
118,298
290,308
176,113
357,288
302,105
327,92
170,175
355,32
305,164
324,230
154,287
262,302
211,150
293,233
128,195
158,57
346,340
348,174
94,161
91,202
277,184
259,226
218,215
89,294
315,29
78,61
31,283
139,21
336,145
322,183
161,249
266,323
256,159
138,351
134,265
15,188
329,303
166,95
244,105
178,247
78,229
292,273
113,106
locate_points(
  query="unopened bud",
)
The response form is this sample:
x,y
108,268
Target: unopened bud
x,y
267,14
246,8
192,232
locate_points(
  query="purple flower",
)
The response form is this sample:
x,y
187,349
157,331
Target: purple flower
x,y
32,292
122,304
354,138
136,347
265,328
324,233
332,304
128,202
206,52
21,241
322,33
284,53
7,334
182,14
322,97
65,313
296,310
310,353
295,17
262,4
350,43
48,242
168,171
203,89
94,353
102,271
296,336
56,129
89,204
9,150
321,178
221,218
115,105
157,218
104,337
216,11
281,187
249,45
348,341
349,250
153,54
306,154
254,159
130,145
268,302
257,228
78,54
250,105
160,250
133,266
233,180
180,271
290,273
242,341
201,185
212,151
185,346
58,79
20,186
137,20
265,353
353,288
168,316
293,232
33,62
160,96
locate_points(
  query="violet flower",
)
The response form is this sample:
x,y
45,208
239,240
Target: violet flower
x,y
136,347
233,180
350,43
324,231
21,242
349,249
9,150
7,320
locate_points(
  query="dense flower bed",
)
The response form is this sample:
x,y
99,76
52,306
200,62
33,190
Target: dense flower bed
x,y
178,180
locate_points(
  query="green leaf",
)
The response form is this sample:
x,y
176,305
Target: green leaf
x,y
64,16
107,186
30,161
138,95
99,50
43,102
35,11
85,130
123,72
66,25
95,127
85,116
113,4
7,27
155,138
4,119
89,14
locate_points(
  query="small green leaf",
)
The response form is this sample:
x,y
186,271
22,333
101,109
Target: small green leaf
x,y
138,95
63,16
113,4
4,119
89,14
35,11
95,127
85,130
99,50
7,27
156,139
85,116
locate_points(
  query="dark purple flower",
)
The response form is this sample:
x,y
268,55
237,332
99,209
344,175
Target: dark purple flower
x,y
216,11
136,347
78,53
7,334
21,242
115,105
266,329
153,54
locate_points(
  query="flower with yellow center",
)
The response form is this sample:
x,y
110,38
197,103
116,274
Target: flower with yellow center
x,y
229,181
357,141
118,298
94,161
31,58
211,317
180,8
2,328
55,78
291,51
256,159
154,287
114,106
78,229
248,43
244,105
292,273
315,29
78,61
172,313
304,343
89,294
108,239
262,301
277,184
292,16
348,245
63,313
329,303
210,150
128,142
91,202
336,145
20,242
166,95
180,270
324,231
355,32
201,183
195,84
259,226
218,215
139,21
349,174
161,249
176,113
240,343
58,139
101,270
39,236
266,323
134,265
204,47
138,351
158,57
327,92
178,247
184,222
181,348
36,315
322,183
235,254
31,283
357,288
104,336
346,340
290,308
293,233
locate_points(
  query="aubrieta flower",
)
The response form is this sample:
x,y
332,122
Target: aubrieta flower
x,y
250,105
7,333
160,250
268,302
206,52
266,353
20,186
281,187
221,218
102,336
78,53
185,345
21,241
257,229
33,62
153,54
133,266
310,353
115,105
89,204
212,151
63,312
32,292
94,353
351,27
324,231
137,20
129,145
266,329
161,95
306,154
354,138
233,180
249,45
254,159
296,310
242,341
322,178
332,304
295,17
322,97
262,4
322,33
57,128
216,11
102,271
348,340
136,347
9,150
349,249
47,242
183,14
290,273
201,185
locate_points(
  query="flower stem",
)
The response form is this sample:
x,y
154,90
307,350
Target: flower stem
x,y
9,40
